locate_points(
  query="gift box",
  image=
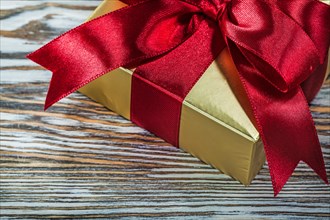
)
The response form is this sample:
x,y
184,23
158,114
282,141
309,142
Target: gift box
x,y
213,125
223,80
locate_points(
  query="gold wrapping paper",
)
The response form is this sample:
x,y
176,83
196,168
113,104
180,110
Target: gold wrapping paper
x,y
213,126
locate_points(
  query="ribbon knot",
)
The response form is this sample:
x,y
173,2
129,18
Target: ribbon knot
x,y
214,9
222,8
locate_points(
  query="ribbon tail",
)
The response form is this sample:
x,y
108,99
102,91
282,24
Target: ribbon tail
x,y
283,121
103,44
284,157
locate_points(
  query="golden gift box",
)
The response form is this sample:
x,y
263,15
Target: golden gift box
x,y
213,126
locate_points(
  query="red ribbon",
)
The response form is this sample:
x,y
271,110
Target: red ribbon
x,y
276,45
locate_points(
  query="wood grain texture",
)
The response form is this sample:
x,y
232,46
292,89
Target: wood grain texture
x,y
78,160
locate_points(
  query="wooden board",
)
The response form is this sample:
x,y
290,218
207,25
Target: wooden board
x,y
79,160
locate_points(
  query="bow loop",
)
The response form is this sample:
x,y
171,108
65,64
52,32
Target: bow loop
x,y
272,44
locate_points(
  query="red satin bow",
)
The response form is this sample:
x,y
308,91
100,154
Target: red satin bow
x,y
276,45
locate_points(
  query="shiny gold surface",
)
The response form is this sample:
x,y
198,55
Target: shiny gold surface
x,y
113,90
106,7
212,94
213,126
215,143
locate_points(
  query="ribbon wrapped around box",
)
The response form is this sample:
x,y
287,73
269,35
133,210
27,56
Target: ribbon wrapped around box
x,y
222,79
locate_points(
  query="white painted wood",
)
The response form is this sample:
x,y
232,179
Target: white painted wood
x,y
79,160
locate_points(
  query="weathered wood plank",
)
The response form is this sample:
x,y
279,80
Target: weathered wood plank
x,y
79,160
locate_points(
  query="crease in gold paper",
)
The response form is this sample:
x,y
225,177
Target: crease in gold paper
x,y
215,128
212,94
